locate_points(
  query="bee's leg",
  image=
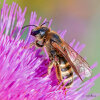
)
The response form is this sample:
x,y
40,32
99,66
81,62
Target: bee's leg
x,y
39,45
50,67
32,44
58,74
36,44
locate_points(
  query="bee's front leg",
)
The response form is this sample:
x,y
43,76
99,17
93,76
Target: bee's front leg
x,y
39,45
32,44
36,44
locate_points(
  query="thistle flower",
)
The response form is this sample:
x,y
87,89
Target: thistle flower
x,y
22,69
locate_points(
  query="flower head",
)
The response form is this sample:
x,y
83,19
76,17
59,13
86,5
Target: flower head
x,y
22,69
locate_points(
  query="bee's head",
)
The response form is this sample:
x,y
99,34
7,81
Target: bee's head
x,y
39,31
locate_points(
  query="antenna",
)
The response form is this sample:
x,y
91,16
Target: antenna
x,y
44,23
28,26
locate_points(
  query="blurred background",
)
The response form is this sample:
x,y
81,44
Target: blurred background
x,y
81,18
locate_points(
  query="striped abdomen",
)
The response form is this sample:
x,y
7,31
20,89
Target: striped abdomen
x,y
65,72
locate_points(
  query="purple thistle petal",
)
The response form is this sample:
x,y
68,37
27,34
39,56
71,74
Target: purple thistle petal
x,y
32,22
72,42
10,18
62,34
23,70
45,20
80,48
94,65
58,31
76,46
46,53
13,20
50,22
38,22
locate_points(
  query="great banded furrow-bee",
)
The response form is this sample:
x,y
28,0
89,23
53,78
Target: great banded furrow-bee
x,y
65,59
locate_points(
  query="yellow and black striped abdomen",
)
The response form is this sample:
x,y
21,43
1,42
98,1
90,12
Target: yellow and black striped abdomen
x,y
66,72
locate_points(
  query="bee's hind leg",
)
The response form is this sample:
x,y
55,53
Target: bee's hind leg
x,y
49,69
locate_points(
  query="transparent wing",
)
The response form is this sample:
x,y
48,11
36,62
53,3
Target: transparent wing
x,y
80,63
80,66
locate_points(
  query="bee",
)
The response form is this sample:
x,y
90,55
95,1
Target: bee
x,y
65,59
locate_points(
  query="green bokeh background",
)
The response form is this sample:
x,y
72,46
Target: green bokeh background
x,y
81,18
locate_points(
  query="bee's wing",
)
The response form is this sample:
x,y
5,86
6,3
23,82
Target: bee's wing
x,y
78,63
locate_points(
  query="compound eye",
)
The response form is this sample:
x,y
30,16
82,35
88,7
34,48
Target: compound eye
x,y
42,33
34,32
